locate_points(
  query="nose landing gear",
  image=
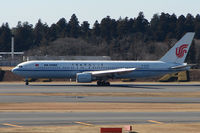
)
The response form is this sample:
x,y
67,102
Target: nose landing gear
x,y
27,83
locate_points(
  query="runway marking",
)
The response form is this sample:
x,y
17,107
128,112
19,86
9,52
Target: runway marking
x,y
83,123
157,122
12,125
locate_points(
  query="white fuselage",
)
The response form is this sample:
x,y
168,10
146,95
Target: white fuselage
x,y
69,69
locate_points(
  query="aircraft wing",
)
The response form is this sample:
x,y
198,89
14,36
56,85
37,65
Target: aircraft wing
x,y
110,73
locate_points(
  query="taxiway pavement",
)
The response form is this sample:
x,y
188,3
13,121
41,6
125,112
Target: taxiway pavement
x,y
90,88
14,118
17,89
20,119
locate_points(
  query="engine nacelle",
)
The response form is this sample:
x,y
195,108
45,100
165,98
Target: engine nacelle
x,y
83,77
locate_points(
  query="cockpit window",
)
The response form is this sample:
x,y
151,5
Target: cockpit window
x,y
20,66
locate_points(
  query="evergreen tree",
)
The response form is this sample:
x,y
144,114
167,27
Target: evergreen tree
x,y
123,27
154,26
108,28
197,26
5,37
189,23
191,57
172,26
23,36
74,26
40,32
52,33
96,30
141,24
180,26
163,26
85,29
62,27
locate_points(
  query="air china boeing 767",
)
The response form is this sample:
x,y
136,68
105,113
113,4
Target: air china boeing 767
x,y
101,71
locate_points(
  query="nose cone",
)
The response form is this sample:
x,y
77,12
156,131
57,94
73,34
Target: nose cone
x,y
17,71
14,70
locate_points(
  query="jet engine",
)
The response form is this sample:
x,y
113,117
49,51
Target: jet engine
x,y
83,77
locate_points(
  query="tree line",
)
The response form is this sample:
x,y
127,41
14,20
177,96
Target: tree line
x,y
122,36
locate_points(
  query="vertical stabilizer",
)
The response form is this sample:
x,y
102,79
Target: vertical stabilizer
x,y
179,51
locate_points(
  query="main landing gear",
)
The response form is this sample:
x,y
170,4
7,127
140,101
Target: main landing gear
x,y
103,83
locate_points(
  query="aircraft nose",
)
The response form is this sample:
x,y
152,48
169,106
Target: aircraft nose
x,y
14,70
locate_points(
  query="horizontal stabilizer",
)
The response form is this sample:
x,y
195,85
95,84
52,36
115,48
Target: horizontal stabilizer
x,y
182,66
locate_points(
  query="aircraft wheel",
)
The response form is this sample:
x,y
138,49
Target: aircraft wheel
x,y
27,83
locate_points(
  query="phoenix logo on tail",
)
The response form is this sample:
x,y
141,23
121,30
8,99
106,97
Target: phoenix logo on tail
x,y
180,51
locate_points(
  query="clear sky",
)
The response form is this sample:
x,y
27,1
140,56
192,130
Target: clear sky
x,y
50,11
